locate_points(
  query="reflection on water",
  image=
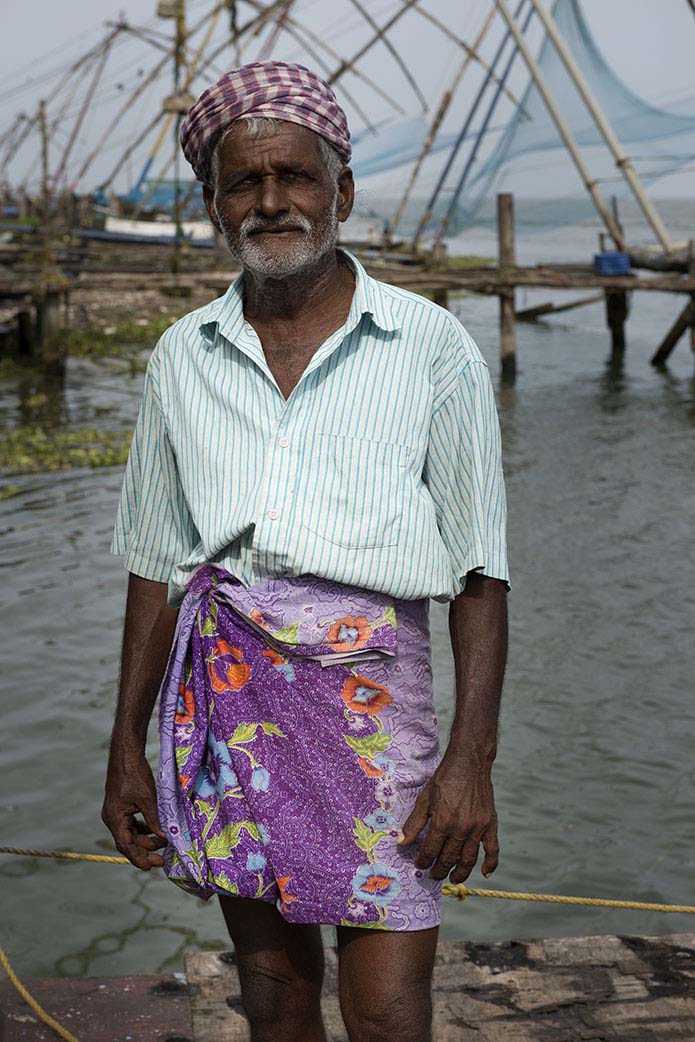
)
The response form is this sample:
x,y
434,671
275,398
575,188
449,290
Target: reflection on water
x,y
594,776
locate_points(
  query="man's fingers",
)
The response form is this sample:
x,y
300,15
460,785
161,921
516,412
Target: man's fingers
x,y
431,845
148,809
145,839
492,849
416,821
125,835
448,856
466,861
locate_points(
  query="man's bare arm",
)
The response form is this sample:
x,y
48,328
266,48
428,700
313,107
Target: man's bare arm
x,y
130,788
459,799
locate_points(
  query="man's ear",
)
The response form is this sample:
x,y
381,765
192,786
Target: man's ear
x,y
346,193
209,200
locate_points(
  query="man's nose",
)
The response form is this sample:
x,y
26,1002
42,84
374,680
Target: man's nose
x,y
271,197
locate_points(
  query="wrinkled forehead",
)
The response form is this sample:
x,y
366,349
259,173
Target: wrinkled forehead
x,y
288,143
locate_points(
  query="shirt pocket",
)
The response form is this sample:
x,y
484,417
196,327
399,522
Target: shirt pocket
x,y
355,493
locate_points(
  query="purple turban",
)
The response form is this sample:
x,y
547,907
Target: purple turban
x,y
267,88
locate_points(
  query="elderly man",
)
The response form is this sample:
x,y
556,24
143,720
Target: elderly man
x,y
317,454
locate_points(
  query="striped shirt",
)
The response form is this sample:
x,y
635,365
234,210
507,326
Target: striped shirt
x,y
381,469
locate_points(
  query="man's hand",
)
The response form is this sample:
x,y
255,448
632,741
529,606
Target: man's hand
x,y
130,790
459,802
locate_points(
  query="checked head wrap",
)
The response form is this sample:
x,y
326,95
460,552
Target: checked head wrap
x,y
267,88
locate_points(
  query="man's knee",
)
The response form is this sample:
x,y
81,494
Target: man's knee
x,y
383,1015
271,997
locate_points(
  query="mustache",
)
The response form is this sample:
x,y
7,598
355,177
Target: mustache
x,y
252,225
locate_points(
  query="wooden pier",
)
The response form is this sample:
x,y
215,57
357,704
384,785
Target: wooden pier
x,y
109,266
608,988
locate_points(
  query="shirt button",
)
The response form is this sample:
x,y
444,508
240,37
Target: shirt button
x,y
284,441
273,515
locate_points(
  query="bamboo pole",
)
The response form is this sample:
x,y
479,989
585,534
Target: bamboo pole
x,y
566,134
468,122
468,48
436,123
394,53
272,37
482,130
347,65
178,62
103,58
622,160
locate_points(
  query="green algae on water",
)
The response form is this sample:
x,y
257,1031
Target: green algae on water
x,y
29,450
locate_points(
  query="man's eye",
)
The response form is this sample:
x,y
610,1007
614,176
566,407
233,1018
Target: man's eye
x,y
295,175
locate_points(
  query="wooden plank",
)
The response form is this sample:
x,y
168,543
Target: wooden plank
x,y
622,989
531,314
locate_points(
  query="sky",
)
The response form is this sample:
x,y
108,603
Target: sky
x,y
649,44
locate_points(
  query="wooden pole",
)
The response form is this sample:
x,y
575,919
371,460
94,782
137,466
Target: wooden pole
x,y
507,262
622,160
685,319
562,126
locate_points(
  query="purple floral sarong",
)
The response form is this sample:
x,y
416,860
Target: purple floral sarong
x,y
297,726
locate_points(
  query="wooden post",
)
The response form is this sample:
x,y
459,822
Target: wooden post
x,y
617,303
25,331
507,262
691,272
51,334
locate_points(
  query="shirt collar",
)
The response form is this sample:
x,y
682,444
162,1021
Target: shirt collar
x,y
225,315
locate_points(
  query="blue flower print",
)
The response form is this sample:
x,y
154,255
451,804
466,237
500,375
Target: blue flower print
x,y
218,775
380,819
384,764
255,863
263,834
376,883
260,779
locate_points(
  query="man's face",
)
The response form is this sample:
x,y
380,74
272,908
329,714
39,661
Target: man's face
x,y
274,202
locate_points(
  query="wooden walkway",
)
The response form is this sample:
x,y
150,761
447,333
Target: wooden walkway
x,y
578,989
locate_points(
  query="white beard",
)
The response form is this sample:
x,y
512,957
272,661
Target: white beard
x,y
266,256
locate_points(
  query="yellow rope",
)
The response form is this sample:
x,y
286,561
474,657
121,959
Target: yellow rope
x,y
461,891
45,1017
457,890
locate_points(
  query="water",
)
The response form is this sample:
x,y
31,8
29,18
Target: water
x,y
594,775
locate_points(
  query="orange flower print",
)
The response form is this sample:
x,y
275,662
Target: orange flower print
x,y
369,768
273,657
363,695
225,669
185,706
256,617
184,780
350,633
285,898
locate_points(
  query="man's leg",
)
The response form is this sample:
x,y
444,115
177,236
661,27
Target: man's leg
x,y
280,970
385,983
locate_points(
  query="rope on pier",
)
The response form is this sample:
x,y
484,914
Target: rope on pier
x,y
31,1001
457,890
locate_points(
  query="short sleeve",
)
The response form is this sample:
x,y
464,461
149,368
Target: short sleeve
x,y
463,473
153,529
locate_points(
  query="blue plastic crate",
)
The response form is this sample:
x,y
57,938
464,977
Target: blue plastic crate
x,y
612,263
